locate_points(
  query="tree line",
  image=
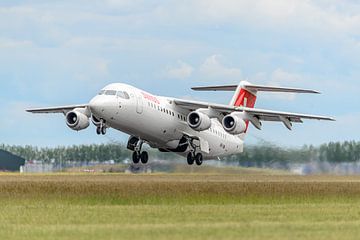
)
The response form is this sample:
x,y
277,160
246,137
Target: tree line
x,y
254,155
268,154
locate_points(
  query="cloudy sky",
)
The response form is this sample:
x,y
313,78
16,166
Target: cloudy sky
x,y
62,52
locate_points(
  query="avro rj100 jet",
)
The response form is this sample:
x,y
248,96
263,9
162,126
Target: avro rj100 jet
x,y
196,130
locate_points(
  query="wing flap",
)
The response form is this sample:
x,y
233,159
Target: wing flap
x,y
291,116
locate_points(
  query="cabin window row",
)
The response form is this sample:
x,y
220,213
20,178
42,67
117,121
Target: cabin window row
x,y
216,132
167,111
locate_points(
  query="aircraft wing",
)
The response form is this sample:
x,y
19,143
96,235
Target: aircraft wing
x,y
60,109
252,114
194,105
268,115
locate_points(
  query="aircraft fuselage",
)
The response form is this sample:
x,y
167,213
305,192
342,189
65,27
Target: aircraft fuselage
x,y
158,121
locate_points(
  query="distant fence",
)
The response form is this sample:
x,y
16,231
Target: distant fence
x,y
37,168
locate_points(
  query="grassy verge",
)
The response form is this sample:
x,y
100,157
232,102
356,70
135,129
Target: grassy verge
x,y
206,206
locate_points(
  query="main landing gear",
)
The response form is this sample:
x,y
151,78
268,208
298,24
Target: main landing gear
x,y
192,156
143,157
135,144
101,128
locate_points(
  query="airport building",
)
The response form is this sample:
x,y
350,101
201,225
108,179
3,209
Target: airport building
x,y
10,162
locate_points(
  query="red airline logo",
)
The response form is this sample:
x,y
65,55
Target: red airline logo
x,y
150,97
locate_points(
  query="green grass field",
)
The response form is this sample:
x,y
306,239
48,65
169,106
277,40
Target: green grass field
x,y
179,206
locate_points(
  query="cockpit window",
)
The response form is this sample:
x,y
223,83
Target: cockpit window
x,y
122,94
102,92
126,95
110,92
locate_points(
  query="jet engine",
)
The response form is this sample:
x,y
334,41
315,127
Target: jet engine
x,y
198,121
77,121
234,124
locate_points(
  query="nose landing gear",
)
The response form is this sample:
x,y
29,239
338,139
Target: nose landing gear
x,y
101,128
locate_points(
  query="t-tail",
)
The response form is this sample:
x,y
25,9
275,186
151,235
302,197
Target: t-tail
x,y
246,93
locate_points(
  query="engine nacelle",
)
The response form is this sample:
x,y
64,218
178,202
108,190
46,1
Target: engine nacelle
x,y
234,124
199,121
77,121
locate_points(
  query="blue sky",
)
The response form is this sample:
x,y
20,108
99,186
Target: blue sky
x,y
63,52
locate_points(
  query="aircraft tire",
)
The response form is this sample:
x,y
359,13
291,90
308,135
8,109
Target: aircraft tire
x,y
199,159
144,156
136,157
103,130
98,130
190,158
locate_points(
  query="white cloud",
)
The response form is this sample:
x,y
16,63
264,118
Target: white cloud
x,y
139,45
324,16
102,66
214,69
11,43
77,46
181,71
281,78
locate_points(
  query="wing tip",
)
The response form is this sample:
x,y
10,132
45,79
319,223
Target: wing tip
x,y
331,119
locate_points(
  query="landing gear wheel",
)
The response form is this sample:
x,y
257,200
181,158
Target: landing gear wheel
x,y
103,130
98,130
190,158
144,156
199,159
136,157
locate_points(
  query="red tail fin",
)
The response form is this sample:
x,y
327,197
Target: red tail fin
x,y
243,98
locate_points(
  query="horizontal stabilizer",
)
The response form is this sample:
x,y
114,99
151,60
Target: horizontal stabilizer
x,y
254,88
216,88
260,88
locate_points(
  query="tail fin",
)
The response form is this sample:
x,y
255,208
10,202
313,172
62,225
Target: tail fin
x,y
243,97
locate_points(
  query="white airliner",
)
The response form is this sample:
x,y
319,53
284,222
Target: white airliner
x,y
196,130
